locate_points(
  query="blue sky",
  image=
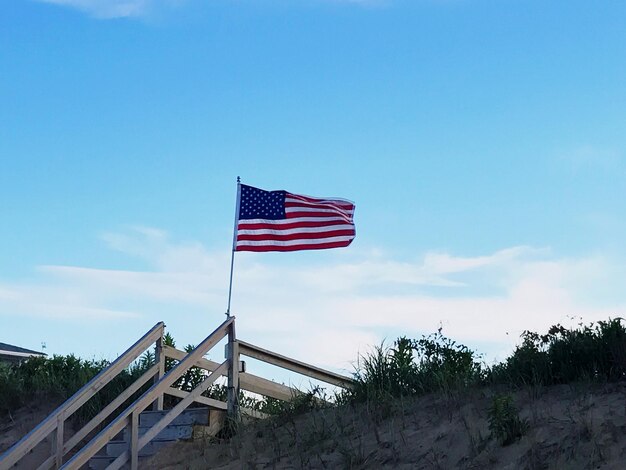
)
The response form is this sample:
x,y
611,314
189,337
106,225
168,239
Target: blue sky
x,y
482,141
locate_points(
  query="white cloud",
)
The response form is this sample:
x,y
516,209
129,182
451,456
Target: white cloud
x,y
107,9
324,314
444,263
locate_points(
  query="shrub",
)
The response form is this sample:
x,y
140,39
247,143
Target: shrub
x,y
59,377
413,367
56,377
594,352
504,421
445,364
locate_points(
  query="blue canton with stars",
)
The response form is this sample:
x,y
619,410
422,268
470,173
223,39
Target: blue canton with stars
x,y
258,204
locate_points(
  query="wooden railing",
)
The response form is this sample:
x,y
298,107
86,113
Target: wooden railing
x,y
294,365
55,423
248,382
231,368
130,416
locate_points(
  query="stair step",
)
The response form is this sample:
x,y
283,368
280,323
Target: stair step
x,y
187,417
116,448
101,462
180,428
170,433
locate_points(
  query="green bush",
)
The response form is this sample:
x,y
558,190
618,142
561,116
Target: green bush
x,y
445,364
56,377
435,363
414,367
504,421
594,352
59,377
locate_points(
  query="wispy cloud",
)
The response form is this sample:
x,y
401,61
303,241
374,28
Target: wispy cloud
x,y
324,314
110,9
107,9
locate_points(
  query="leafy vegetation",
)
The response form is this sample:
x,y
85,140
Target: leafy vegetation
x,y
415,367
435,363
59,377
594,352
504,422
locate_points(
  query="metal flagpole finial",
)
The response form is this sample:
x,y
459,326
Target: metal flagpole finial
x,y
238,180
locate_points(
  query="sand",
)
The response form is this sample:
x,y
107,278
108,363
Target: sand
x,y
569,427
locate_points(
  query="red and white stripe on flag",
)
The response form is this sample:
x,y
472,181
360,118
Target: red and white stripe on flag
x,y
307,223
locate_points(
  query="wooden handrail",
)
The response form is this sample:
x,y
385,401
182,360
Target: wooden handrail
x,y
294,365
216,404
209,402
104,414
104,436
247,381
50,424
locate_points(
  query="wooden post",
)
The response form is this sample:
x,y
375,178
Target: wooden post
x,y
233,374
159,358
58,451
134,440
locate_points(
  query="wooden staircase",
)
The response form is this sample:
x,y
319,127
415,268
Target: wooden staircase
x,y
191,423
135,432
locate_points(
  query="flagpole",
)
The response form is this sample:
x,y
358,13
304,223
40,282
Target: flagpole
x,y
232,257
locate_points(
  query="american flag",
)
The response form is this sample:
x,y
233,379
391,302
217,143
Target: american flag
x,y
282,221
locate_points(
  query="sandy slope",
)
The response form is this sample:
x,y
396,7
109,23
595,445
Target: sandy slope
x,y
18,424
570,427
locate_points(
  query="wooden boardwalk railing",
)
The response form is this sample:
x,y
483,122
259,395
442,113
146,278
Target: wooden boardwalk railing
x,y
248,382
163,384
55,422
294,365
130,416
